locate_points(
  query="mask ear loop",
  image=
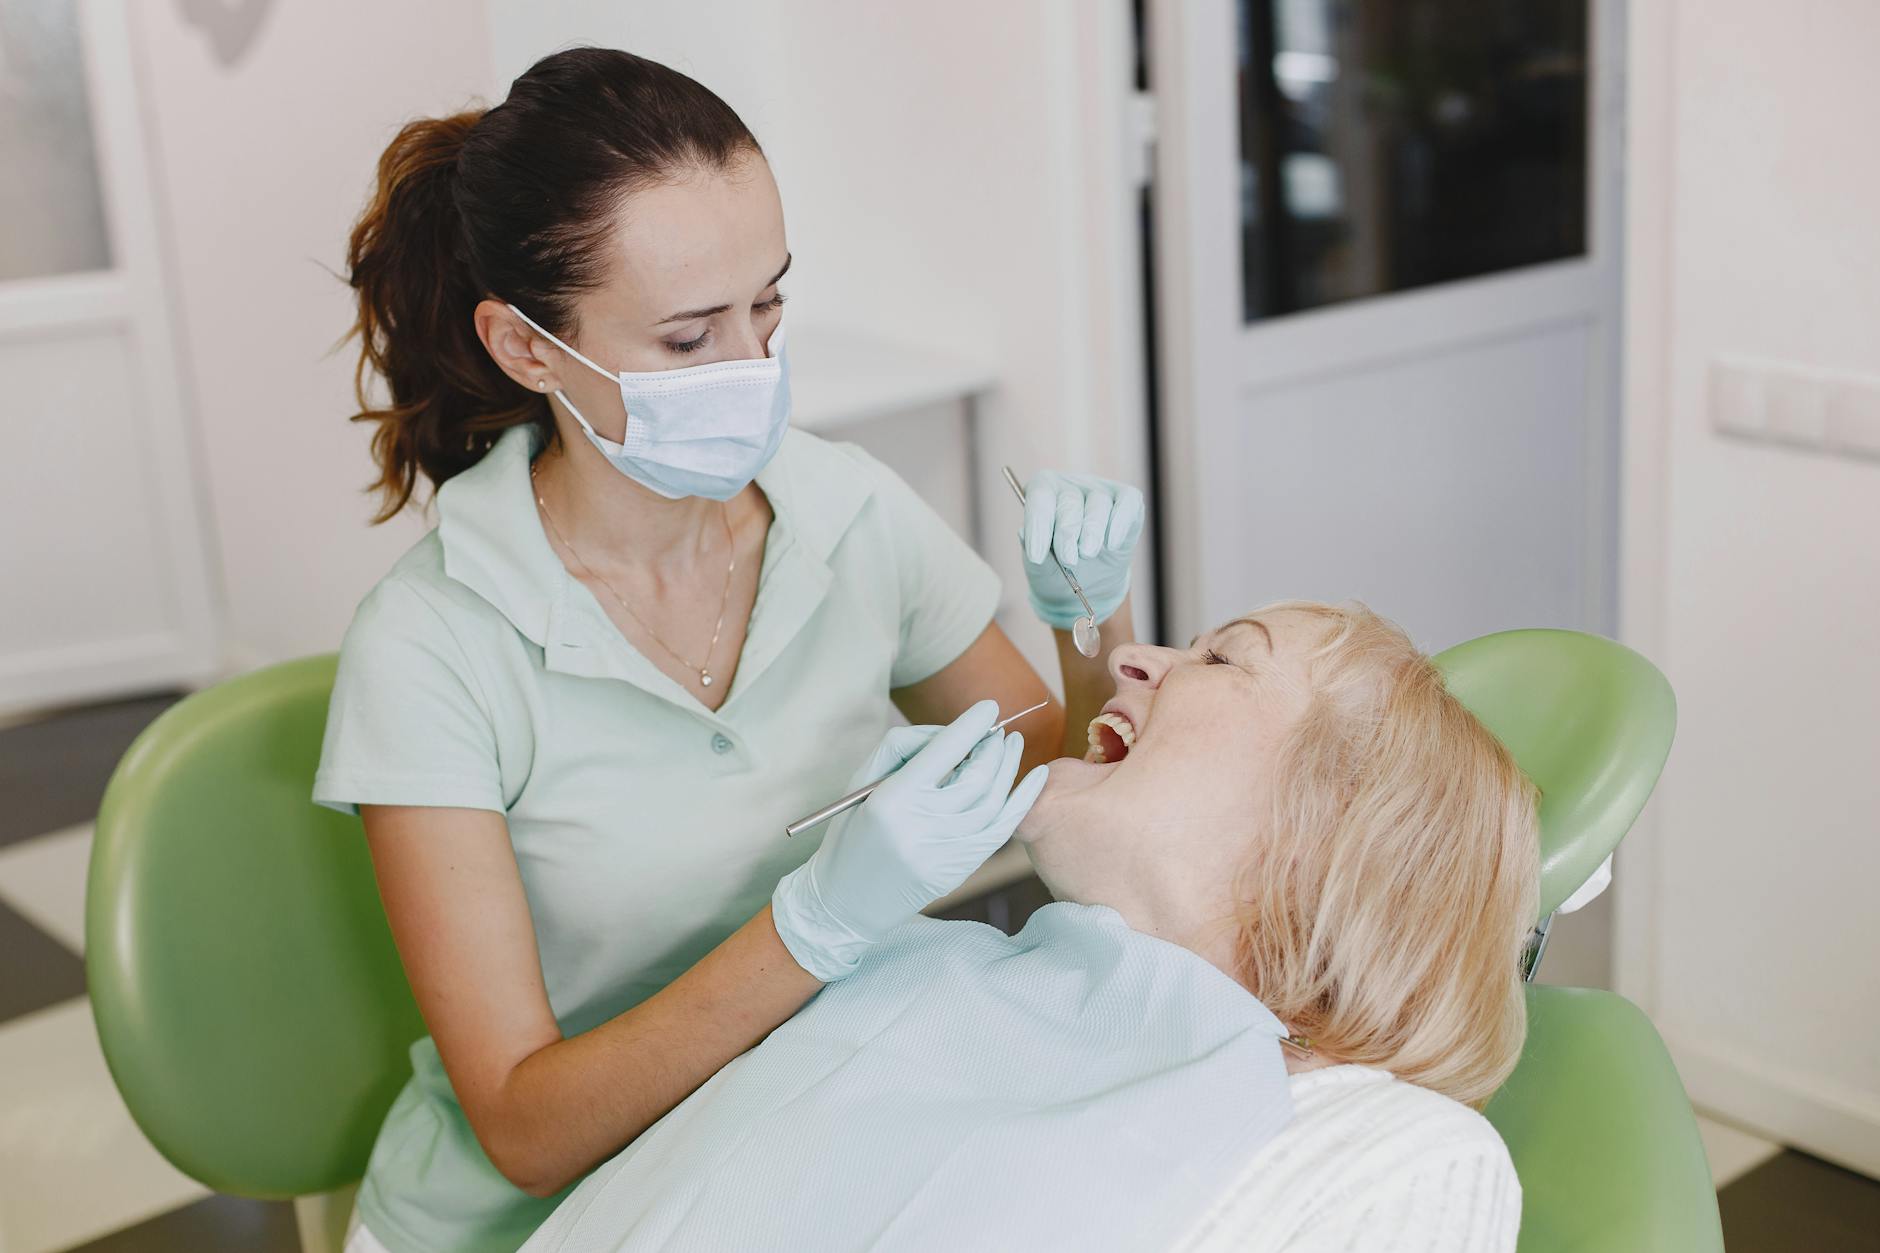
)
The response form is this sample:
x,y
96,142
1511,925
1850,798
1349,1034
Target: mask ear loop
x,y
596,436
563,396
571,351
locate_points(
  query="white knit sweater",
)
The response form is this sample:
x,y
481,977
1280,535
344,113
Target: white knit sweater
x,y
1369,1162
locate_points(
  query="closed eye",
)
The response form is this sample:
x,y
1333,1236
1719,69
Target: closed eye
x,y
693,345
1213,658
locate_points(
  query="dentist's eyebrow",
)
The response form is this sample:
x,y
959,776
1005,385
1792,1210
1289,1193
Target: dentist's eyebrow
x,y
693,314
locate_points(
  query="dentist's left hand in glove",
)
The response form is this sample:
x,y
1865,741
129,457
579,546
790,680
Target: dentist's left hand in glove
x,y
1093,525
948,806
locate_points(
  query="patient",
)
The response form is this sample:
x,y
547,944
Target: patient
x,y
1287,829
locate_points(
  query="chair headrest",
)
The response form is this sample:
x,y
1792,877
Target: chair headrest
x,y
1589,720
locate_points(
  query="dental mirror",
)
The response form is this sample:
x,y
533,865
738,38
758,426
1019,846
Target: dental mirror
x,y
1084,631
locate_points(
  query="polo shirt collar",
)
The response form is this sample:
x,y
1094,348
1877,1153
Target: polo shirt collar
x,y
494,544
492,536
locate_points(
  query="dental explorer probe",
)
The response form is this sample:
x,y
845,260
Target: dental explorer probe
x,y
861,794
1084,630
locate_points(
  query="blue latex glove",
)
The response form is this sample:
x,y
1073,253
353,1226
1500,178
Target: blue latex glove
x,y
948,806
1093,524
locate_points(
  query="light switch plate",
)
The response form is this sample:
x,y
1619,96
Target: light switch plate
x,y
1795,408
1828,411
1853,419
1736,398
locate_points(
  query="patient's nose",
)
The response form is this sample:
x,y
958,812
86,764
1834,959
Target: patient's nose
x,y
1141,665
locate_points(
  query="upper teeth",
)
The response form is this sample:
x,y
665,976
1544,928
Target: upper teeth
x,y
1117,723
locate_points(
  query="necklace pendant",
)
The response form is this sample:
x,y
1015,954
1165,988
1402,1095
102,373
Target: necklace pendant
x,y
704,678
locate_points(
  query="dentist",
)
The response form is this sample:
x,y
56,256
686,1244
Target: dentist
x,y
651,626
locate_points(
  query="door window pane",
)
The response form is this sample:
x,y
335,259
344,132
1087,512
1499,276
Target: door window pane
x,y
1390,144
50,200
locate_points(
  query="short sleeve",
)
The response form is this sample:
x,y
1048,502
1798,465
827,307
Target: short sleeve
x,y
406,724
948,592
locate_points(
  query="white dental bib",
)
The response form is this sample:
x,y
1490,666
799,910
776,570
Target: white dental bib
x,y
1077,1086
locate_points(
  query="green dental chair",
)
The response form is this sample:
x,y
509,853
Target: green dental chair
x,y
1595,1117
249,1000
255,1017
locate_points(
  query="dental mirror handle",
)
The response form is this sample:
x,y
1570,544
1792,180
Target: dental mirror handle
x,y
1070,578
1083,633
861,794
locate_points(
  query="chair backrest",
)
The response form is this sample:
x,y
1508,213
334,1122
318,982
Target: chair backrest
x,y
248,996
1602,1134
1590,721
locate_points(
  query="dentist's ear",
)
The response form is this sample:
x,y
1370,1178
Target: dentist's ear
x,y
516,349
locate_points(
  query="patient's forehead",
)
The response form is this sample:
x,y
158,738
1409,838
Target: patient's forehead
x,y
1275,631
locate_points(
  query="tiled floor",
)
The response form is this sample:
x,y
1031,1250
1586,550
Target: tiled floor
x,y
1732,1153
1796,1202
76,1174
43,881
72,1163
53,771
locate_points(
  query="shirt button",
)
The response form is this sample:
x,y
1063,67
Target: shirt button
x,y
720,744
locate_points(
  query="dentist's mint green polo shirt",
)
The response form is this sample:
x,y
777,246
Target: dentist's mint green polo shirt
x,y
478,673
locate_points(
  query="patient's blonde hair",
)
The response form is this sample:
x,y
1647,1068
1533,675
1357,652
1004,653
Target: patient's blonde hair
x,y
1394,884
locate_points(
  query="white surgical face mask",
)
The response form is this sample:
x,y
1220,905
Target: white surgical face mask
x,y
705,430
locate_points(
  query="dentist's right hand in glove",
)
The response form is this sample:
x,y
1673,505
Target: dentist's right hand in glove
x,y
947,808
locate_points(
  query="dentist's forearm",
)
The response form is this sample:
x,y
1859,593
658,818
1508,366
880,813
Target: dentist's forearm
x,y
1087,682
576,1102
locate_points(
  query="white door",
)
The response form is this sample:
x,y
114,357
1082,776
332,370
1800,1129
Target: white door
x,y
1387,295
104,580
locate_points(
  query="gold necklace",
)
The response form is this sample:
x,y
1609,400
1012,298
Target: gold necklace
x,y
704,668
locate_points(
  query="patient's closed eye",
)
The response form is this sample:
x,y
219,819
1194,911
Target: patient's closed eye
x,y
1213,658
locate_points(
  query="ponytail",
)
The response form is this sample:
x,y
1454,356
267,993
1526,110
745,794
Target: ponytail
x,y
516,204
416,299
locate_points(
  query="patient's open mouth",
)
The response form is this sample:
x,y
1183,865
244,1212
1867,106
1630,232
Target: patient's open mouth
x,y
1111,736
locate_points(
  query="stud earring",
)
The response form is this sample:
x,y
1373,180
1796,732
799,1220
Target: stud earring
x,y
541,385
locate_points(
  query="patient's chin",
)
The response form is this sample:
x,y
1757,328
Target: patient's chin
x,y
1075,774
1034,826
1062,800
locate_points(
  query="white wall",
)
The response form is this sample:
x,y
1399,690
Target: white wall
x,y
951,177
1752,573
262,167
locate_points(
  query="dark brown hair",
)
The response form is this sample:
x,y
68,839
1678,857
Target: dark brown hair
x,y
513,203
